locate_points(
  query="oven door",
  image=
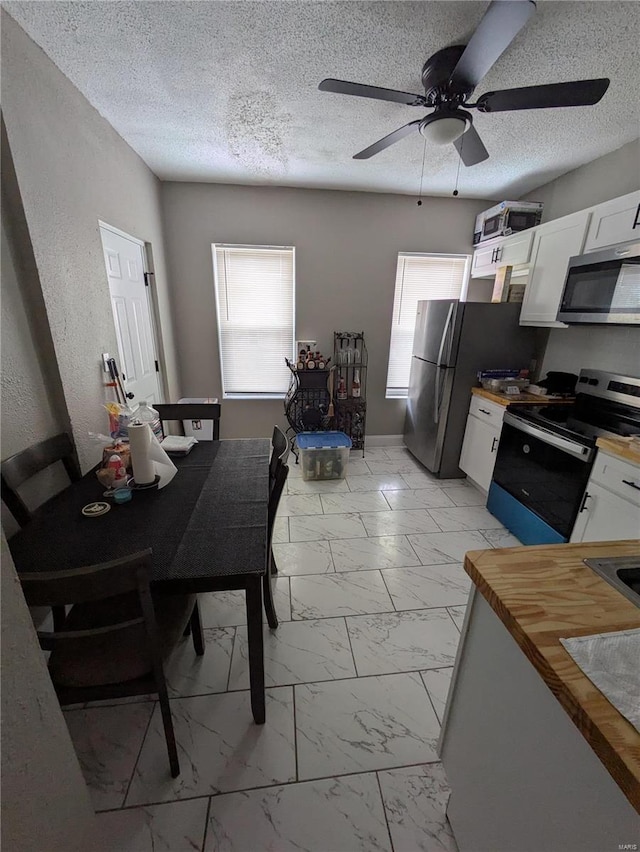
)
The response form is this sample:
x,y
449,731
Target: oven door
x,y
603,288
543,471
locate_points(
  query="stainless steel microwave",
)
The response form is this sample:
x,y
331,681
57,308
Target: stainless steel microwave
x,y
603,287
509,221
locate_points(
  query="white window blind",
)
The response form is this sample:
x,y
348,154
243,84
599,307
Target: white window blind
x,y
255,298
418,277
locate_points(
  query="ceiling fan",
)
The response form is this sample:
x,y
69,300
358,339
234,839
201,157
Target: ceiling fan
x,y
450,76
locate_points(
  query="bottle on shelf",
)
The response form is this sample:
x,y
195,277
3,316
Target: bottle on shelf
x,y
355,384
311,364
342,389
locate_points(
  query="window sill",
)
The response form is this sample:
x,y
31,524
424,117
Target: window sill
x,y
397,395
253,396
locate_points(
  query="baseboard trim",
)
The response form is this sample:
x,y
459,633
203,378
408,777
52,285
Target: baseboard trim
x,y
384,441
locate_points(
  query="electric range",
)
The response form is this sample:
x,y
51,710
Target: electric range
x,y
546,453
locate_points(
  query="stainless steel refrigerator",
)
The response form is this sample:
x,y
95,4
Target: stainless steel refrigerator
x,y
453,340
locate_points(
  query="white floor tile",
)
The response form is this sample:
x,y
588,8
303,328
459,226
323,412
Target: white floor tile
x,y
421,479
465,518
415,801
228,609
188,674
399,523
422,498
322,596
325,527
220,747
363,724
107,741
501,538
299,504
403,641
398,453
281,530
437,682
333,815
361,554
457,614
297,652
308,557
376,482
358,467
465,494
172,827
402,466
367,501
438,548
428,586
371,453
297,485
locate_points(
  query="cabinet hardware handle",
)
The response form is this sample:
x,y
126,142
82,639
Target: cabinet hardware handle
x,y
584,501
493,445
636,221
499,253
484,411
631,483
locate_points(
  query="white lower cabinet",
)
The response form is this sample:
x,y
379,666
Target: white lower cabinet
x,y
611,505
479,448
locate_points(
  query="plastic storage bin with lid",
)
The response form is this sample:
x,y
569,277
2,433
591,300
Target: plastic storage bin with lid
x,y
200,429
324,455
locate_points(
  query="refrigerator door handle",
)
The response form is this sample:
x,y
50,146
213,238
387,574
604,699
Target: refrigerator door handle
x,y
444,335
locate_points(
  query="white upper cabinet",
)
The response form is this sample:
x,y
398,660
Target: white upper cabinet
x,y
553,245
508,251
615,221
483,264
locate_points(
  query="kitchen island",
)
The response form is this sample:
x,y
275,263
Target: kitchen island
x,y
537,758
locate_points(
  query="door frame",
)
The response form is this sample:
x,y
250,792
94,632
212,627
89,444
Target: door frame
x,y
152,300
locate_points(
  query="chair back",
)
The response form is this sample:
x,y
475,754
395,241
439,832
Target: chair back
x,y
281,473
19,468
279,452
190,411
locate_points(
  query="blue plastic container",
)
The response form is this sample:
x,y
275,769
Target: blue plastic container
x,y
324,455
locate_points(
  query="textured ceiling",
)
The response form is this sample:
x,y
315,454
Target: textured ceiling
x,y
218,91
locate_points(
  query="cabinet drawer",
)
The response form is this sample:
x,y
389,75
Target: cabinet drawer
x,y
490,412
619,476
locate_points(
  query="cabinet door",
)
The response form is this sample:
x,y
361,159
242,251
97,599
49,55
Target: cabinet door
x,y
515,250
483,264
615,221
479,451
605,517
553,245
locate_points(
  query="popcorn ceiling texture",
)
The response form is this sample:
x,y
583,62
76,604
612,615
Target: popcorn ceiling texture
x,y
227,92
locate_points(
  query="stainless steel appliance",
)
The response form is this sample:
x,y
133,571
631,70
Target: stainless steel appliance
x,y
506,218
452,341
546,453
603,287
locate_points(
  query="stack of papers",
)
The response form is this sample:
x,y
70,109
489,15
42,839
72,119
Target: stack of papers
x,y
178,445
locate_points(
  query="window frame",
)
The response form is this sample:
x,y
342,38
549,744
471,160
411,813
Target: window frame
x,y
403,393
246,395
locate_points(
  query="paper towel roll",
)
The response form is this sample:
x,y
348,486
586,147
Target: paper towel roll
x,y
148,459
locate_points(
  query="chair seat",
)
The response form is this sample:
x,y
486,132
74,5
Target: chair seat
x,y
116,657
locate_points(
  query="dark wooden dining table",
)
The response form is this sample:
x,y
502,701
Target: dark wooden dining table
x,y
207,530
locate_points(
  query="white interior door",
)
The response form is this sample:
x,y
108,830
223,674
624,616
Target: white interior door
x,y
124,259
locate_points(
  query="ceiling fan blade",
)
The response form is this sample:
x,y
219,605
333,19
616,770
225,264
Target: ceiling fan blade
x,y
386,141
501,23
470,147
343,87
578,93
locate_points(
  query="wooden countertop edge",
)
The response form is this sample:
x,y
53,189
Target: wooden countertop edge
x,y
621,773
619,449
524,399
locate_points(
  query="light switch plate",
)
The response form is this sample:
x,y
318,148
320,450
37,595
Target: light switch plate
x,y
105,358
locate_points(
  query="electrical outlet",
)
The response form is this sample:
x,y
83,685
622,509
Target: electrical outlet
x,y
105,358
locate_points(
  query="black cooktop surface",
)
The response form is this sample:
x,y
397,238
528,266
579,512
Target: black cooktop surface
x,y
584,420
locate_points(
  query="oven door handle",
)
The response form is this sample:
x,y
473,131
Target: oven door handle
x,y
579,451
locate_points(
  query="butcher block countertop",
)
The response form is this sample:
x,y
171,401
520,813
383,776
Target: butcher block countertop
x,y
619,447
545,593
527,398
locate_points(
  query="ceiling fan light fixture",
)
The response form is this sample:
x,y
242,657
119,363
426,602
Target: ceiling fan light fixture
x,y
444,129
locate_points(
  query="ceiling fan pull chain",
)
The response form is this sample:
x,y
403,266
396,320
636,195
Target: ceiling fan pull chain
x,y
455,191
424,154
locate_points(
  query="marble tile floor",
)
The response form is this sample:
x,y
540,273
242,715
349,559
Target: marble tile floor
x,y
371,597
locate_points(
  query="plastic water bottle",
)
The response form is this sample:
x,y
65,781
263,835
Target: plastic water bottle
x,y
146,414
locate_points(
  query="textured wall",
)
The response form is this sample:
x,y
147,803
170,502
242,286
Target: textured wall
x,y
74,169
45,802
607,177
346,252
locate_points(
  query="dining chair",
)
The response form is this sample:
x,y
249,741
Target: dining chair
x,y
280,477
116,634
279,454
190,411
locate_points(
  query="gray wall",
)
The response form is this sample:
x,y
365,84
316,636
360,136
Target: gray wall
x,y
346,251
607,177
616,349
73,169
45,802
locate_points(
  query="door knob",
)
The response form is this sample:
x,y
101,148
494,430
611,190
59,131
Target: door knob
x,y
129,395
